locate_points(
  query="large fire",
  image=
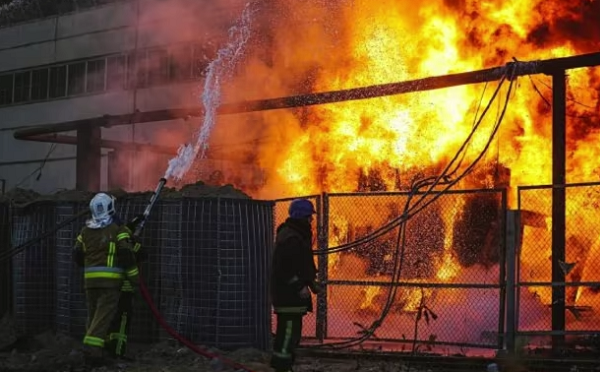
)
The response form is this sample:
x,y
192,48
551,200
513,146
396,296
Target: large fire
x,y
382,144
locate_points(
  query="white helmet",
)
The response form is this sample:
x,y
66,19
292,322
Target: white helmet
x,y
102,206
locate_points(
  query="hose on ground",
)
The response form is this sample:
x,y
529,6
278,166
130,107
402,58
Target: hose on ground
x,y
187,343
143,290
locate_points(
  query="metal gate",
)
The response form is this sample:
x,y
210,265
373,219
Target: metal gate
x,y
563,300
465,306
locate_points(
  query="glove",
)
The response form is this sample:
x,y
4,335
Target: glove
x,y
132,225
304,293
316,288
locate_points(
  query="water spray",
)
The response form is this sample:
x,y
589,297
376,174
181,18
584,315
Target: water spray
x,y
217,71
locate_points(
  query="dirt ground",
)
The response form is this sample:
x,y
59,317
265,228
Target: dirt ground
x,y
56,353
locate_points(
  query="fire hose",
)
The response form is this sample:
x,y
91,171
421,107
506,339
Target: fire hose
x,y
156,313
143,289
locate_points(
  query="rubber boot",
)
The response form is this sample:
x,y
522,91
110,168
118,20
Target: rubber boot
x,y
93,356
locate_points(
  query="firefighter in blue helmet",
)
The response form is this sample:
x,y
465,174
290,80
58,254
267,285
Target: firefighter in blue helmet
x,y
293,278
105,250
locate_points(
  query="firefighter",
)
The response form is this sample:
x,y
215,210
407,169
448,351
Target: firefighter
x,y
105,251
119,329
293,278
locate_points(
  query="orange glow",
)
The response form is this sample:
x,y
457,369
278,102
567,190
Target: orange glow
x,y
319,46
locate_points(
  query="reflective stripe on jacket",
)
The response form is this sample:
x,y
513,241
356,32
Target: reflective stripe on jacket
x,y
108,256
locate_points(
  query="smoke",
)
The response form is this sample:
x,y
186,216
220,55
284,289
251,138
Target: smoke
x,y
291,45
176,41
218,71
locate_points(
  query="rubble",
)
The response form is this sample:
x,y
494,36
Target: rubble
x,y
57,353
22,197
201,189
8,332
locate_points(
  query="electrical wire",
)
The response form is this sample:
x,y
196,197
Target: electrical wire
x,y
431,181
408,212
568,98
39,169
549,104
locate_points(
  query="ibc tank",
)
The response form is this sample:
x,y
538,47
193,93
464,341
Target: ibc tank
x,y
71,311
34,270
5,266
215,270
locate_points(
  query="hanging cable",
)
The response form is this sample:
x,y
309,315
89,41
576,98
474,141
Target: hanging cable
x,y
432,182
408,212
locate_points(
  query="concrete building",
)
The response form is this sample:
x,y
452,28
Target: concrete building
x,y
104,62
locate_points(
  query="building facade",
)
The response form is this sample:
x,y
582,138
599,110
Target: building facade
x,y
113,59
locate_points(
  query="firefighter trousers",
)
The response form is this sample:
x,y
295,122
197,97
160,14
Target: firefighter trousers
x,y
119,328
287,339
102,305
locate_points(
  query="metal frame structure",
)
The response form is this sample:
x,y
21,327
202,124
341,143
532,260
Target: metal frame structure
x,y
323,203
556,68
558,282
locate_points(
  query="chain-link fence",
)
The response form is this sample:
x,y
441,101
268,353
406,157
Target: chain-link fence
x,y
450,262
452,265
579,267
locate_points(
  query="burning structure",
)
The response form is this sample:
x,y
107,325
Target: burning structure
x,y
384,144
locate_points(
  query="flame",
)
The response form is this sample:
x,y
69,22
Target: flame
x,y
316,46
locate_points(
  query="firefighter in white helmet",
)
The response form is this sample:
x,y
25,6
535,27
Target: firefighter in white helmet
x,y
105,250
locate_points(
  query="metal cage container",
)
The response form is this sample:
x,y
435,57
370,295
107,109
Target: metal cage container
x,y
34,269
215,270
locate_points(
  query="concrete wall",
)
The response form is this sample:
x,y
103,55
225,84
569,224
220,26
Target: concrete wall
x,y
19,158
94,33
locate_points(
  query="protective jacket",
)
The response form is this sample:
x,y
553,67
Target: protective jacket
x,y
139,254
107,256
293,267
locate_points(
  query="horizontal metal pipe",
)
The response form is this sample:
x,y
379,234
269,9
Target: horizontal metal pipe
x,y
431,83
111,144
108,121
364,283
559,284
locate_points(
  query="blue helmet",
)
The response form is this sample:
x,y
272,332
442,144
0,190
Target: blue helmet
x,y
301,208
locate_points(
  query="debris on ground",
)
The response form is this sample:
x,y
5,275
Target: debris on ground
x,y
22,197
201,189
57,353
8,332
19,196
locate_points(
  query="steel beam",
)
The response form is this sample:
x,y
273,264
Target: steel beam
x,y
108,144
108,121
89,157
559,171
431,83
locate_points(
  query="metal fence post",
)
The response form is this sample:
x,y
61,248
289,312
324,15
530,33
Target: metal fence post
x,y
323,259
502,272
512,234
